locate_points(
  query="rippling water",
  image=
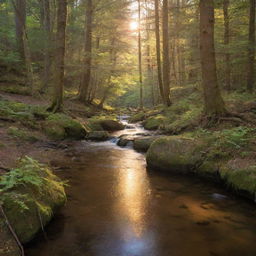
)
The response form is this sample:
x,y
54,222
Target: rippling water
x,y
118,208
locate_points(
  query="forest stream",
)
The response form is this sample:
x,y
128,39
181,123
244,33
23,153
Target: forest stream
x,y
116,207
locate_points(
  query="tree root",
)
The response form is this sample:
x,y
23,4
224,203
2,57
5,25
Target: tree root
x,y
210,121
12,231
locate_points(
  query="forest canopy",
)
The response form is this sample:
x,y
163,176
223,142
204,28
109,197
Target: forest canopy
x,y
126,52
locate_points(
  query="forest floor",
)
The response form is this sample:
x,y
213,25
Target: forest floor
x,y
13,146
26,129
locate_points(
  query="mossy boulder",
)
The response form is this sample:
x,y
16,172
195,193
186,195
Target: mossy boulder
x,y
137,117
240,175
103,124
98,136
31,195
153,123
175,153
111,125
94,124
54,131
60,126
142,144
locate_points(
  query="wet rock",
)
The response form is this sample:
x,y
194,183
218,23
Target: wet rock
x,y
124,140
153,123
175,153
111,125
98,136
240,174
137,117
142,144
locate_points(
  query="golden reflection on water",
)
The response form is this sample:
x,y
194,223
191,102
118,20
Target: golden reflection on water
x,y
134,191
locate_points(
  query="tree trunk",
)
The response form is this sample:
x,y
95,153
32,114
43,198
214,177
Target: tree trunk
x,y
83,92
251,48
214,105
57,103
226,42
47,44
140,56
158,50
22,40
166,57
20,24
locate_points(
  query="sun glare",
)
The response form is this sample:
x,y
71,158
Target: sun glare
x,y
134,25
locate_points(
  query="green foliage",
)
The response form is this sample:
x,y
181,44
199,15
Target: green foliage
x,y
21,134
27,191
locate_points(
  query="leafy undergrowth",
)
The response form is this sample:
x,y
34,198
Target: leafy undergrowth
x,y
233,152
24,116
16,89
181,115
30,192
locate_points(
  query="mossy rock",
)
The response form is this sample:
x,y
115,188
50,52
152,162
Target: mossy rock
x,y
137,117
60,126
142,144
94,125
111,125
98,136
240,175
101,123
54,131
31,196
175,153
153,123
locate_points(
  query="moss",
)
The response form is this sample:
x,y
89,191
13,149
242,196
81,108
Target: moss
x,y
240,178
175,153
31,192
107,123
185,120
62,126
153,123
54,131
142,144
98,136
16,89
137,117
21,134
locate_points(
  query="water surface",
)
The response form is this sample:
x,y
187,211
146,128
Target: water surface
x,y
118,208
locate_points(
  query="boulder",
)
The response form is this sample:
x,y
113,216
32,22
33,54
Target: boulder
x,y
111,125
240,175
137,117
175,153
32,198
153,123
124,140
60,126
142,144
98,136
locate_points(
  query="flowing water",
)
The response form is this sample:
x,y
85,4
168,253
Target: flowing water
x,y
116,207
